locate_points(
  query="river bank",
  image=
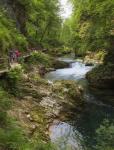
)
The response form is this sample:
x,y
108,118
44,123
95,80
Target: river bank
x,y
37,102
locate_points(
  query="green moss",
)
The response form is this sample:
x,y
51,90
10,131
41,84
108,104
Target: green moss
x,y
38,115
101,76
67,89
38,80
102,71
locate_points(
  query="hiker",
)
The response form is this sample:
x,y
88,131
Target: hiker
x,y
12,56
17,53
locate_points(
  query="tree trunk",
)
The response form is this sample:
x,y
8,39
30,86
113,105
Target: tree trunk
x,y
44,32
20,14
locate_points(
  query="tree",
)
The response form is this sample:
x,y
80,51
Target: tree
x,y
93,26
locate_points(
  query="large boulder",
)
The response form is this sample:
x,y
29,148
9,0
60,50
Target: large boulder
x,y
102,77
69,91
57,64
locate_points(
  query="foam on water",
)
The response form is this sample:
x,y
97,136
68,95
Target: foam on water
x,y
76,71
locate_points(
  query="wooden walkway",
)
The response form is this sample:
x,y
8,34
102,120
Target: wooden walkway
x,y
4,71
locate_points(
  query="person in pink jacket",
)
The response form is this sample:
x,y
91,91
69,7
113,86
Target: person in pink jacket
x,y
17,53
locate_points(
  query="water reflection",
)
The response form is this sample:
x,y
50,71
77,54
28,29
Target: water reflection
x,y
65,137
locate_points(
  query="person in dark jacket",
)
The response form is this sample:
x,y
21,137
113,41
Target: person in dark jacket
x,y
11,56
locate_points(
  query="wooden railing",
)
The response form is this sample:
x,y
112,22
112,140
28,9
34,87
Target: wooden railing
x,y
4,63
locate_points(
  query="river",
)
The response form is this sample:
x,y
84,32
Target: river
x,y
78,133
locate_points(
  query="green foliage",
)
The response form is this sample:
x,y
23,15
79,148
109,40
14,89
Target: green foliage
x,y
40,21
9,35
91,25
5,105
67,89
102,71
105,136
11,84
100,55
11,138
66,32
15,74
41,58
44,22
38,79
43,146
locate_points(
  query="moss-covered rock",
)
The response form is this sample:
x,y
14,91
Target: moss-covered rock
x,y
59,64
101,76
67,89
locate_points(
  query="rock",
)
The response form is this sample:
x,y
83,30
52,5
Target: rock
x,y
50,82
89,64
79,60
26,112
34,126
50,69
33,129
42,71
57,64
67,88
29,117
81,89
102,77
27,97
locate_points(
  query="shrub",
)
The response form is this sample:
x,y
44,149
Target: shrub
x,y
5,105
100,55
105,136
67,88
12,139
38,79
12,80
15,74
41,58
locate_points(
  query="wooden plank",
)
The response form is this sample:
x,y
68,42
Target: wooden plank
x,y
3,71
